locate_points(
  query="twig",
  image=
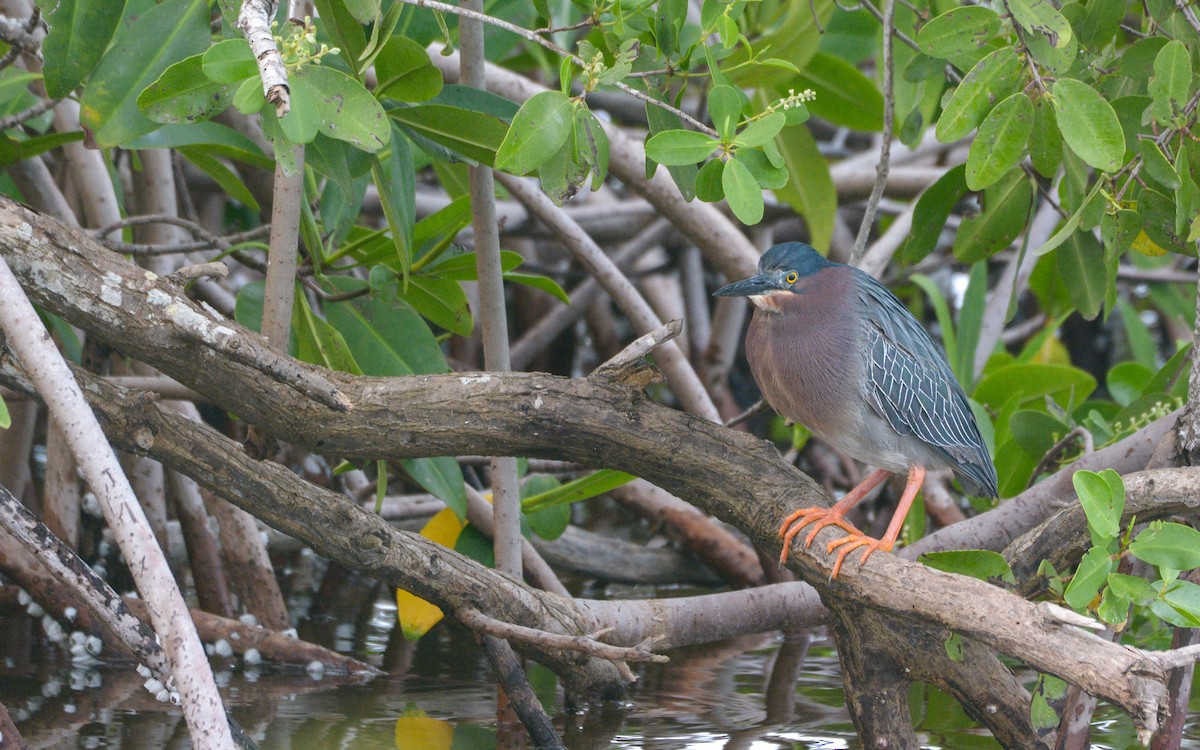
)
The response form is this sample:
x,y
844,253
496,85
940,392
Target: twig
x,y
41,107
521,698
1057,449
885,149
41,358
584,644
493,314
254,20
283,252
1188,15
34,19
617,366
13,32
678,371
214,270
542,41
208,239
757,407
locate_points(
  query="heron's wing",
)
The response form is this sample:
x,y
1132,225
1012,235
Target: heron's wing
x,y
911,385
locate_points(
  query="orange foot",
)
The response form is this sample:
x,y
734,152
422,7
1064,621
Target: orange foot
x,y
820,518
854,542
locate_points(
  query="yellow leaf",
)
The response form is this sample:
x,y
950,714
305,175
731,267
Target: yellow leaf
x,y
1146,246
423,733
1051,352
415,615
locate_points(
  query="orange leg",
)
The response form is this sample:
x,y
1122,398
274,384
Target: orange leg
x,y
847,544
822,517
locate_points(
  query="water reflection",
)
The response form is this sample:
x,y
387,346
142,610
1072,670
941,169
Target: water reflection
x,y
750,693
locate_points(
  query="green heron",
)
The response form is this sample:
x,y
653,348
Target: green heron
x,y
833,349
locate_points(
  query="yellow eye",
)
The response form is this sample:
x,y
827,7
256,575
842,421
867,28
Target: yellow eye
x,y
791,277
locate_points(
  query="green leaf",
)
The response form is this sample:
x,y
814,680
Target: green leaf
x,y
1172,82
542,283
395,179
548,523
1005,210
708,182
977,563
13,151
442,301
318,342
541,127
184,94
405,72
474,135
1048,690
1155,164
1089,124
80,31
574,491
1045,141
219,140
684,175
725,109
1091,574
1138,590
348,111
1041,18
809,189
1180,604
1103,499
742,192
958,31
1084,272
680,147
591,144
1166,544
163,34
1000,142
1071,224
760,131
442,478
1035,431
1033,382
1127,381
229,180
931,213
344,29
249,98
767,175
844,95
229,61
993,78
303,120
387,337
1113,608
5,417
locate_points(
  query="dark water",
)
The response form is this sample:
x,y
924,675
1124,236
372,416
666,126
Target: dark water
x,y
752,693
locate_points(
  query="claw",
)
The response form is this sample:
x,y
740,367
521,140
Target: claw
x,y
820,518
851,543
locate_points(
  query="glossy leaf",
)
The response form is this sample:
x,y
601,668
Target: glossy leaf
x,y
977,563
229,61
5,417
1041,18
548,523
13,151
708,182
474,135
318,342
405,72
163,34
931,213
1172,82
440,477
1091,574
958,31
844,95
348,111
184,94
395,179
1168,545
387,336
1179,604
742,192
584,488
1005,210
303,120
540,129
443,302
1000,142
1156,165
1034,382
80,31
680,147
1089,124
760,131
725,109
1102,496
1084,272
684,175
229,180
1045,141
1133,588
993,78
